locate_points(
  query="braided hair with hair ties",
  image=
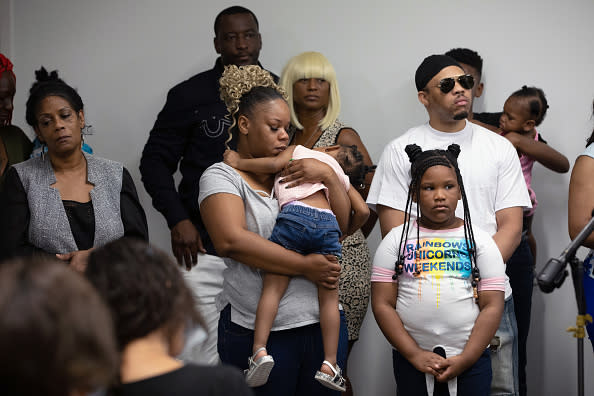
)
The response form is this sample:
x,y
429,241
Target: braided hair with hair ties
x,y
354,166
243,87
420,162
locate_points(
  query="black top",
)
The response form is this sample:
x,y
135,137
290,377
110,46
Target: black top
x,y
82,222
14,242
493,119
488,118
17,146
190,380
191,131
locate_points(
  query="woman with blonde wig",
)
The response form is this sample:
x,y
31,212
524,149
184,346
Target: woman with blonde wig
x,y
314,103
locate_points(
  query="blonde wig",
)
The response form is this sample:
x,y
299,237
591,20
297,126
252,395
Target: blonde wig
x,y
242,87
311,65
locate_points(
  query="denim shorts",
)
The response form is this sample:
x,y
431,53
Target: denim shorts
x,y
306,230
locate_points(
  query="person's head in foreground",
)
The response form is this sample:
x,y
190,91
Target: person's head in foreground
x,y
56,335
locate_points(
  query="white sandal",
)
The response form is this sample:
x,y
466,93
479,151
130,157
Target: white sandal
x,y
258,370
335,382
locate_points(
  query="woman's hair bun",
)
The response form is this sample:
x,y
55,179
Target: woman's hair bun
x,y
413,152
42,75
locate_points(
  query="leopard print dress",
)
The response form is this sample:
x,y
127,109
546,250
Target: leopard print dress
x,y
355,275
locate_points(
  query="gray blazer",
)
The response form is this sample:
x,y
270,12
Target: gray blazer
x,y
49,228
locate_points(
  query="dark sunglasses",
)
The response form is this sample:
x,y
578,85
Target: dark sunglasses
x,y
447,84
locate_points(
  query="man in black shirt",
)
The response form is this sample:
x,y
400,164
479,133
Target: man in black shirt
x,y
191,131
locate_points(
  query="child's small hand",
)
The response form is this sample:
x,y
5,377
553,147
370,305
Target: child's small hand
x,y
231,158
452,367
428,362
306,170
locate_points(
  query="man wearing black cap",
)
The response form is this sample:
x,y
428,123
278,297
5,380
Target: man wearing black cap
x,y
492,176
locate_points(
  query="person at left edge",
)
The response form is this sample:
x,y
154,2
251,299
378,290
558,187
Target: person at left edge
x,y
190,131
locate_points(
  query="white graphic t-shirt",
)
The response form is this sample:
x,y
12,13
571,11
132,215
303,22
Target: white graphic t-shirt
x,y
436,304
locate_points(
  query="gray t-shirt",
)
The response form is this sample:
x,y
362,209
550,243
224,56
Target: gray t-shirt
x,y
242,285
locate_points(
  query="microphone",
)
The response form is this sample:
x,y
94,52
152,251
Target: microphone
x,y
553,274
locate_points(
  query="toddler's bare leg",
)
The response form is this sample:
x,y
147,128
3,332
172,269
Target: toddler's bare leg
x,y
274,287
330,325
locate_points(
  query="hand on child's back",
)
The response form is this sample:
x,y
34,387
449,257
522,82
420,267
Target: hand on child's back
x,y
306,170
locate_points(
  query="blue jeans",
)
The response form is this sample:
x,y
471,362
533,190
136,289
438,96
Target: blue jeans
x,y
307,230
504,356
298,353
589,292
476,381
520,269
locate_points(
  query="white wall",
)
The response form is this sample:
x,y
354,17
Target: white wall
x,y
6,27
123,56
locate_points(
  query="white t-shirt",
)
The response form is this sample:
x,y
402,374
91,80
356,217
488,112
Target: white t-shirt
x,y
437,307
489,165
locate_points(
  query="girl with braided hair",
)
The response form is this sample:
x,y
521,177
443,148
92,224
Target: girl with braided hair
x,y
239,210
438,285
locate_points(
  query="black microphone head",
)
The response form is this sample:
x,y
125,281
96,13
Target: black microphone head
x,y
552,275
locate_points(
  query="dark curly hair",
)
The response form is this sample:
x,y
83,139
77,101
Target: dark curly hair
x,y
143,288
420,162
351,160
56,334
49,84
